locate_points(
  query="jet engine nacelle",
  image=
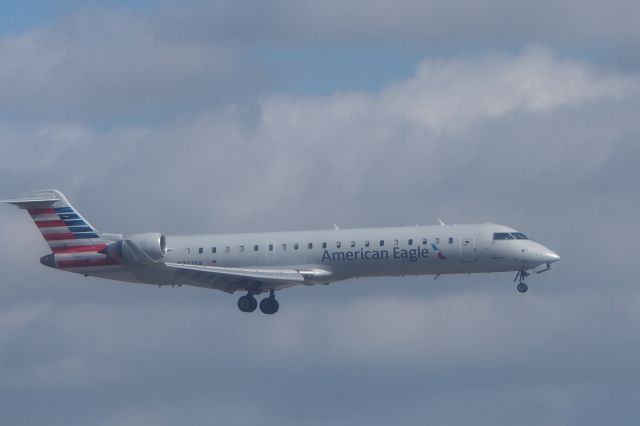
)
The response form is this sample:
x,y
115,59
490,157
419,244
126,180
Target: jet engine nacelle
x,y
139,248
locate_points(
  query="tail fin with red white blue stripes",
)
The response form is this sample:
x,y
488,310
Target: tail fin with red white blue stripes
x,y
63,228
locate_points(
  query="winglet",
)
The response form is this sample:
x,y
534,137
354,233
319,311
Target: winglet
x,y
441,222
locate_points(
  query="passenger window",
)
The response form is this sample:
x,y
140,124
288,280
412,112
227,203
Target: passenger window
x,y
256,247
200,250
227,249
213,249
284,247
410,242
353,243
338,244
187,250
424,241
381,243
295,246
241,249
367,243
310,246
324,245
450,240
270,247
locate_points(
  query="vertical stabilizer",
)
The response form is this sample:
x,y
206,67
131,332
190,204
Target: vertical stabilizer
x,y
62,227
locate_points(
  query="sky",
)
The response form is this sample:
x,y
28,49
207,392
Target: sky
x,y
221,116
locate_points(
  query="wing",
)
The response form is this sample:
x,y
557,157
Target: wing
x,y
248,279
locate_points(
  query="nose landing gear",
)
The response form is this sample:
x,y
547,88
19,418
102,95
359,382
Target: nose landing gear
x,y
521,275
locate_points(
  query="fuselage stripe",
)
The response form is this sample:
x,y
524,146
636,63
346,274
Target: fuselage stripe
x,y
56,230
61,236
34,212
75,222
85,235
41,217
65,216
79,249
75,229
64,210
49,223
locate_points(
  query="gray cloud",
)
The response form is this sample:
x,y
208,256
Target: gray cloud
x,y
108,66
409,22
428,356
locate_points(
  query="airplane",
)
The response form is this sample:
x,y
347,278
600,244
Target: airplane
x,y
265,262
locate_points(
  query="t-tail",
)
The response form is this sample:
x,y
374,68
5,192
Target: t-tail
x,y
73,241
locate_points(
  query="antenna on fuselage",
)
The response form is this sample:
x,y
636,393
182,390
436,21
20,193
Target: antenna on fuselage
x,y
336,227
441,222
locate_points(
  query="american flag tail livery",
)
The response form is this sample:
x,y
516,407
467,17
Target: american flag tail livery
x,y
73,241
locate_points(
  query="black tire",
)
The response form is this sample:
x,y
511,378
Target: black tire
x,y
269,305
247,303
522,288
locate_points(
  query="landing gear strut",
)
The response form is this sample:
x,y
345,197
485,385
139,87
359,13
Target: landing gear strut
x,y
247,303
269,305
522,286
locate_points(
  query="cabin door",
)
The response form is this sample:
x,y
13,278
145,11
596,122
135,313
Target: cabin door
x,y
467,248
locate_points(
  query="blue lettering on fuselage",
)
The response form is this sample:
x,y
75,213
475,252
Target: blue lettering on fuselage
x,y
411,255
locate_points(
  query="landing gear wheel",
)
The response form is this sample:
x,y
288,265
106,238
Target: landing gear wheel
x,y
522,288
269,305
247,303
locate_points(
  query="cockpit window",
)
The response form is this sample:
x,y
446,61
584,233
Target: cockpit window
x,y
502,236
520,236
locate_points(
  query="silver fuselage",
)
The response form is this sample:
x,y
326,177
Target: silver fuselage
x,y
349,253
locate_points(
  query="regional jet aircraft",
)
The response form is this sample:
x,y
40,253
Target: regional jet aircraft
x,y
265,262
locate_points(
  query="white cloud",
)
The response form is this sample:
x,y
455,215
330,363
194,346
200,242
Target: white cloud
x,y
524,117
110,66
40,145
450,94
104,65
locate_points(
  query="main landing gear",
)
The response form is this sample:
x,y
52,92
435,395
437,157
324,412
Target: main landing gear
x,y
269,305
247,303
522,286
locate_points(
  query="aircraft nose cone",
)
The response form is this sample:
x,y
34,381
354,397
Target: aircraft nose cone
x,y
551,256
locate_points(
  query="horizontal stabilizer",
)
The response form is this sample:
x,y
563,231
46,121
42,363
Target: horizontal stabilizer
x,y
32,202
